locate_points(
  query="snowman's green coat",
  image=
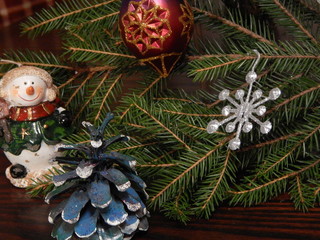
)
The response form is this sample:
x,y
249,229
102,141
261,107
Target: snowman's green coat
x,y
30,134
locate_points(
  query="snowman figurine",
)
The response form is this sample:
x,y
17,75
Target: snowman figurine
x,y
31,122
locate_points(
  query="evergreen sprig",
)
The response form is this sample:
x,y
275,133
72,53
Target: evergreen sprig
x,y
59,16
189,172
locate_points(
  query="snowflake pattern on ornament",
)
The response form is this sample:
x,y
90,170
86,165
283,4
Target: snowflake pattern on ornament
x,y
146,25
242,111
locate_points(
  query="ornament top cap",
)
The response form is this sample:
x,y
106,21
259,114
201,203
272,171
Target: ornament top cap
x,y
27,71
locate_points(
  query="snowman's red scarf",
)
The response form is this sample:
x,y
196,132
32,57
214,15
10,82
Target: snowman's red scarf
x,y
33,113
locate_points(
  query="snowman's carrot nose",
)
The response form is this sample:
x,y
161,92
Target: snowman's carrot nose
x,y
30,90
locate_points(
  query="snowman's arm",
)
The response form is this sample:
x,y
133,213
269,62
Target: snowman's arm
x,y
4,113
6,130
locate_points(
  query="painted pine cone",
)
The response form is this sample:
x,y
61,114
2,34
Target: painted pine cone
x,y
105,203
100,213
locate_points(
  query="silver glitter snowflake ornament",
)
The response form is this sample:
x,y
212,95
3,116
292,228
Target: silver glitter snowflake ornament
x,y
241,112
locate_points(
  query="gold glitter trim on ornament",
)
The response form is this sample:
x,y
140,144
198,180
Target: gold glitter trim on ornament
x,y
187,20
164,72
146,25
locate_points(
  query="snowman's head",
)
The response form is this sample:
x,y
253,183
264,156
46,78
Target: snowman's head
x,y
27,86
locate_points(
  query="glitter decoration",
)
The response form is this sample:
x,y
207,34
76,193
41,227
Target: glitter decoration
x,y
157,32
186,19
146,25
243,109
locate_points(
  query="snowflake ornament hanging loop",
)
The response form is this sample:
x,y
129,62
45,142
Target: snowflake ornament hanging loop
x,y
240,112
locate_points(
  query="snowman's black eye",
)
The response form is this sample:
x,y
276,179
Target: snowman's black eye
x,y
32,83
25,83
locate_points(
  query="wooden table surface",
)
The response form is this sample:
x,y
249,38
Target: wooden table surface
x,y
23,218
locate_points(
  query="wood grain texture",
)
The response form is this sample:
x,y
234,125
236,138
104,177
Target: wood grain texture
x,y
23,218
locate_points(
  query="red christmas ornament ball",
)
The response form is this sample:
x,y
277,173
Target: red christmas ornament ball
x,y
156,31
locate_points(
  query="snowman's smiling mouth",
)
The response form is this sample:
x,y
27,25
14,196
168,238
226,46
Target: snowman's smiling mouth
x,y
27,100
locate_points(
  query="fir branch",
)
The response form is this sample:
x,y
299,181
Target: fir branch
x,y
242,57
292,174
163,126
299,189
224,64
40,187
196,127
31,27
39,64
148,88
189,171
179,208
217,183
311,6
193,166
106,96
193,114
164,155
31,57
78,89
297,56
293,17
302,194
177,99
287,101
96,68
73,49
235,25
270,142
78,36
98,23
83,142
97,19
172,99
157,165
104,78
294,148
70,80
213,68
295,21
135,125
204,56
126,111
137,146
